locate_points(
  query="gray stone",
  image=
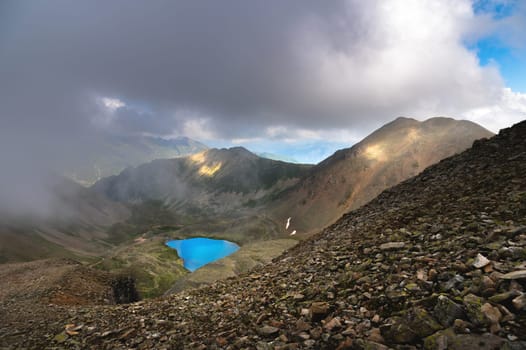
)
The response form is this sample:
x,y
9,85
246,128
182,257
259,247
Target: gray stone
x,y
416,323
501,297
454,282
473,306
309,343
514,345
396,330
446,311
318,310
480,261
261,345
268,331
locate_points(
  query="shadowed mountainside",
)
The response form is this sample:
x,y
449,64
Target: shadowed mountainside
x,y
351,177
213,182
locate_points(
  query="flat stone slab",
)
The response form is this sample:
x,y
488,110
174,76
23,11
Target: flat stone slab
x,y
392,245
515,275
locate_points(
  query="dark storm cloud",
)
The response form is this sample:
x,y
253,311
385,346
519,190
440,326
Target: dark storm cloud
x,y
235,60
315,64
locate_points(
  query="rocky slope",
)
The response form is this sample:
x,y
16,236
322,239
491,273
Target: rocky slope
x,y
34,292
353,176
437,262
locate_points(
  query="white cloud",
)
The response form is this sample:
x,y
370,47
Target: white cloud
x,y
112,104
104,116
404,57
198,129
276,131
509,109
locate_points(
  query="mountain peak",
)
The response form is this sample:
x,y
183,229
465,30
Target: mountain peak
x,y
353,176
403,119
228,154
240,150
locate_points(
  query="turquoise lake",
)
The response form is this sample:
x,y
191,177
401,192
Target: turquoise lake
x,y
197,252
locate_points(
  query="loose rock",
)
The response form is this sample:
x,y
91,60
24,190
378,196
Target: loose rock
x,y
480,261
392,245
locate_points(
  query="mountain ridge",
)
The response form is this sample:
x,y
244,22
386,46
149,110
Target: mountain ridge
x,y
398,150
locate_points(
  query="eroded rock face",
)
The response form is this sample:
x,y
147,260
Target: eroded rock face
x,y
427,293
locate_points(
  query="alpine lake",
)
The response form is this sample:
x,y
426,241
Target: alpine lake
x,y
197,252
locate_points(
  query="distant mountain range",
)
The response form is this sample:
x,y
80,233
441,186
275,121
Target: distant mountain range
x,y
117,153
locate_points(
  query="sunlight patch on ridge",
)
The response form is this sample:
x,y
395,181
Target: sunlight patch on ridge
x,y
413,135
209,171
198,158
375,152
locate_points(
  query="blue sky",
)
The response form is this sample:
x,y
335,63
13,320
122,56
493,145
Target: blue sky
x,y
511,62
308,151
493,49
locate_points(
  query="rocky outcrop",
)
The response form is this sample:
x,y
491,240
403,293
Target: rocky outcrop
x,y
124,290
340,290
